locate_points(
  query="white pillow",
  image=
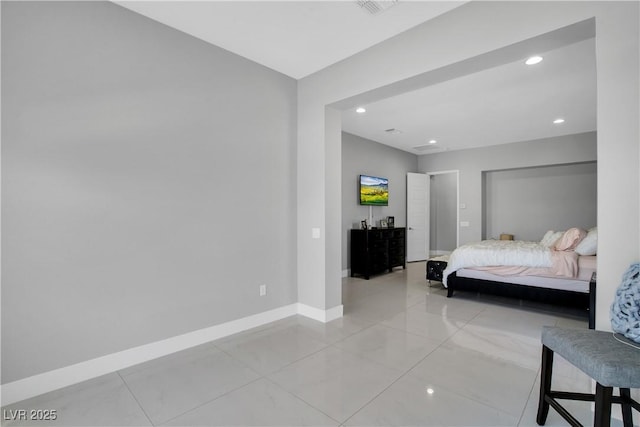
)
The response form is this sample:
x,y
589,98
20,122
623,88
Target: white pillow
x,y
545,239
551,237
588,245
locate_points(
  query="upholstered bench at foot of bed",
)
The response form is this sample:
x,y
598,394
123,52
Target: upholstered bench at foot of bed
x,y
609,361
435,267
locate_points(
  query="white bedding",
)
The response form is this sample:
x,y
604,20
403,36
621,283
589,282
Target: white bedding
x,y
489,253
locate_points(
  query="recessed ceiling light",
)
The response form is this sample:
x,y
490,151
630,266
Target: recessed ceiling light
x,y
533,60
433,141
361,110
558,121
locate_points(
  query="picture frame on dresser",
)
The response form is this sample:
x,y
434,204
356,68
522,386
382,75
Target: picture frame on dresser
x,y
390,221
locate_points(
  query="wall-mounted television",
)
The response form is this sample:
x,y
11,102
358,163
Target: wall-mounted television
x,y
373,190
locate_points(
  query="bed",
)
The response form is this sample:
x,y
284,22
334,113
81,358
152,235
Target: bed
x,y
560,269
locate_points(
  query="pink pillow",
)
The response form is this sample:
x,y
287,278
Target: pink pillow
x,y
570,239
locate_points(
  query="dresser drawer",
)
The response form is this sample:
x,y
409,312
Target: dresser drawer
x,y
377,250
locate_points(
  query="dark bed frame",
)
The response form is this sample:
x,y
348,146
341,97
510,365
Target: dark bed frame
x,y
533,293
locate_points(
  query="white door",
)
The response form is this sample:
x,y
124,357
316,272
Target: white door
x,y
417,217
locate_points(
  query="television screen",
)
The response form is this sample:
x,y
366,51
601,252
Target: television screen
x,y
374,191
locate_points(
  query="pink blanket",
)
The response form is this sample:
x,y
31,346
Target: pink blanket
x,y
565,264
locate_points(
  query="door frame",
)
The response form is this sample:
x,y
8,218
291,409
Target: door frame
x,y
457,173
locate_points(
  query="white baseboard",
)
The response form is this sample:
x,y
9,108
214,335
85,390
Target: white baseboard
x,y
53,380
438,253
320,315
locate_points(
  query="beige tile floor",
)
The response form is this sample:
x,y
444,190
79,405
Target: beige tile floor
x,y
403,354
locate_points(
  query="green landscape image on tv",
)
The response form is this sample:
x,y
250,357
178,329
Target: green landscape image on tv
x,y
374,191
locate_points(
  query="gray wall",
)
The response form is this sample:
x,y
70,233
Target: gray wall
x,y
528,202
363,156
148,184
443,205
472,163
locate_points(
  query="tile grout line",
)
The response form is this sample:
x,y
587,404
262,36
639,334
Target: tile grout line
x,y
421,360
135,398
265,377
533,387
210,401
300,399
212,346
405,373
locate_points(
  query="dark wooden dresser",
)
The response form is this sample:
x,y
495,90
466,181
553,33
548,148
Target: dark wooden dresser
x,y
377,250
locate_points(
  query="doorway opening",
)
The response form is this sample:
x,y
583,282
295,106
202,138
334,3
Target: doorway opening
x,y
432,214
443,213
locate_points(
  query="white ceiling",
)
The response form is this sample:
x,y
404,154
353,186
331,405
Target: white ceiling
x,y
296,38
509,103
506,103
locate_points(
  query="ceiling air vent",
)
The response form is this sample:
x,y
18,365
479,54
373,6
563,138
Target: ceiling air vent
x,y
375,7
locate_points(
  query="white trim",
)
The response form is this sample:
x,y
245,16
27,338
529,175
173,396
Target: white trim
x,y
319,314
345,273
438,253
457,172
334,313
53,380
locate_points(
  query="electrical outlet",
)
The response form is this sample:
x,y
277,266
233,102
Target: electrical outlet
x,y
263,290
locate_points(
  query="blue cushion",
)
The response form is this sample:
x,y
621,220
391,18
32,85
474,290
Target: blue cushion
x,y
625,310
598,354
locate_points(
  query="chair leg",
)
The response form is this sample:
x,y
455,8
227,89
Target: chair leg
x,y
602,416
627,418
545,385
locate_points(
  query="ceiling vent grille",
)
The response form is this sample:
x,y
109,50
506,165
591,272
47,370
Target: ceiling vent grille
x,y
393,131
375,7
